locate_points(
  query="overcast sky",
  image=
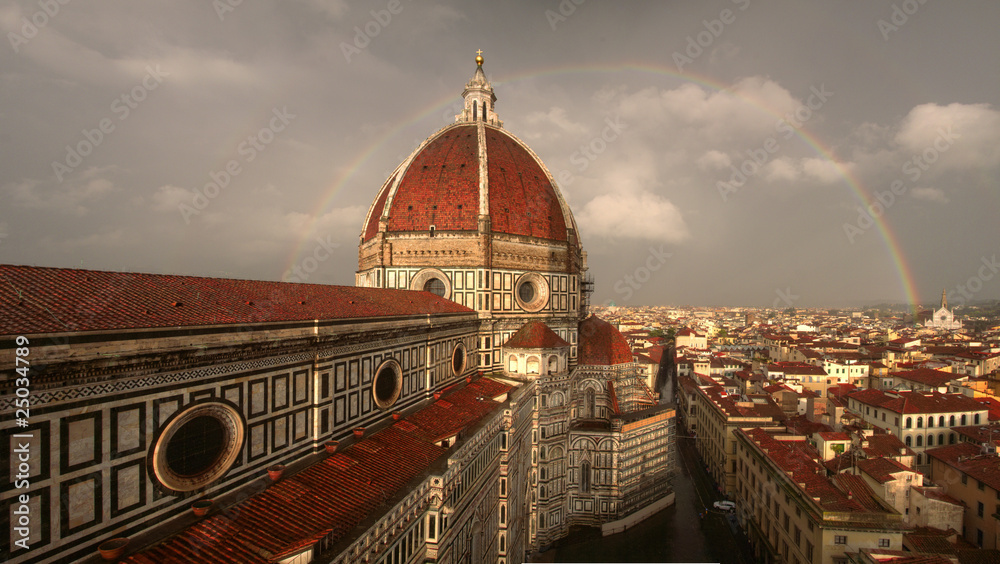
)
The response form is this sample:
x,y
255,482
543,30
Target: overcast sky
x,y
746,136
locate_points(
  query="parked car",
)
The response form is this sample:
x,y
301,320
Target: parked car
x,y
724,505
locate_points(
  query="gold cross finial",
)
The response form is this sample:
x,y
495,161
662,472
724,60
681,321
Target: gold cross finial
x,y
479,57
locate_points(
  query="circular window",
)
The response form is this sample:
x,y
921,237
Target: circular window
x,y
387,385
458,359
532,292
431,280
197,446
435,286
526,292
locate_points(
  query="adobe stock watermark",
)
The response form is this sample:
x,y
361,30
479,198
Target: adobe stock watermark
x,y
364,34
913,168
785,298
321,253
248,149
758,157
701,41
48,9
566,8
589,151
630,283
122,107
223,7
963,293
900,15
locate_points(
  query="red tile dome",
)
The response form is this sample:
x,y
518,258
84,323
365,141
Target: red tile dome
x,y
601,344
443,185
466,172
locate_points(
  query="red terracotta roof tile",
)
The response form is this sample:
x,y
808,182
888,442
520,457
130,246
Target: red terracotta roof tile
x,y
522,200
968,458
440,187
55,300
881,469
535,335
601,344
330,497
926,376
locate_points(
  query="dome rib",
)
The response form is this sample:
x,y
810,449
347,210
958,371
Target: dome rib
x,y
440,185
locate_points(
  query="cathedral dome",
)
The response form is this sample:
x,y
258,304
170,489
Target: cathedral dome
x,y
470,173
601,344
473,216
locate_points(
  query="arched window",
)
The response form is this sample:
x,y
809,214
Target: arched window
x,y
920,459
475,111
941,438
484,111
975,419
951,421
951,438
585,477
963,419
512,364
920,422
920,440
930,422
909,422
909,441
532,367
553,364
930,440
941,421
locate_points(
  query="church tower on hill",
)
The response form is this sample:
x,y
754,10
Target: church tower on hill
x,y
474,216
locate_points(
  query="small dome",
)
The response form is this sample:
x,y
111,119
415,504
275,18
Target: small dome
x,y
535,335
601,344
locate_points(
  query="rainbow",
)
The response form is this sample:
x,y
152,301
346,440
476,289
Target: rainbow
x,y
863,196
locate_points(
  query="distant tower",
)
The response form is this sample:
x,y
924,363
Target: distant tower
x,y
944,299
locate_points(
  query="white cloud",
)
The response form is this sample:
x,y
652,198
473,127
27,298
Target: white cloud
x,y
781,169
935,195
73,196
739,117
169,198
713,160
964,135
824,171
642,215
558,117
